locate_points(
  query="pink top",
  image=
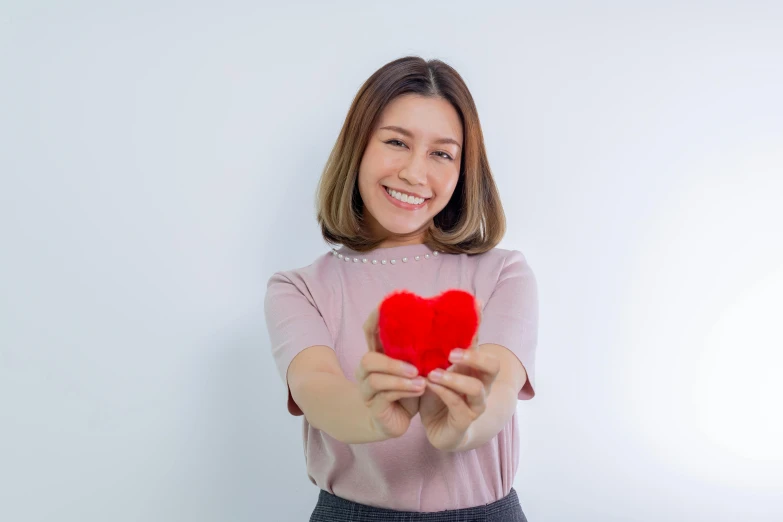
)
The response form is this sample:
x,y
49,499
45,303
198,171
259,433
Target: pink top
x,y
327,302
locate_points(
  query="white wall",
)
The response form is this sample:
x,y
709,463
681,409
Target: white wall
x,y
159,162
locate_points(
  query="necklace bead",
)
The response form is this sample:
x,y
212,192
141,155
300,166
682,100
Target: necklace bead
x,y
383,261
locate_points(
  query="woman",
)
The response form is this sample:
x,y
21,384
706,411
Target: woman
x,y
408,194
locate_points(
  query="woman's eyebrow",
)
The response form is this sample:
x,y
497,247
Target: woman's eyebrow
x,y
406,132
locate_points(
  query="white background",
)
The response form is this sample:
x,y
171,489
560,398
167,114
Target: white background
x,y
159,163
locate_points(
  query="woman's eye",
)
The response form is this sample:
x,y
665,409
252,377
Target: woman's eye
x,y
395,142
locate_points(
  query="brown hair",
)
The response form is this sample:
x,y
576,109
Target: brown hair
x,y
472,222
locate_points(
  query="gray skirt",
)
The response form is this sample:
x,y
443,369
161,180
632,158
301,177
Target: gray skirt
x,y
331,508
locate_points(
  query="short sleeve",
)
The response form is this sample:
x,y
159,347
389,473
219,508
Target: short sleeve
x,y
510,316
293,323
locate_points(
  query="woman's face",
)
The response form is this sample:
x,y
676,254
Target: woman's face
x,y
413,152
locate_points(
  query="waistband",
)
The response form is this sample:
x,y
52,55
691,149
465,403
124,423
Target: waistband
x,y
331,508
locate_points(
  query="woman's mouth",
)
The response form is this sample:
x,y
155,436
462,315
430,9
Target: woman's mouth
x,y
405,201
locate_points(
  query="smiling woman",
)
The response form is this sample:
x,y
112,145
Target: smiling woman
x,y
412,128
408,193
405,177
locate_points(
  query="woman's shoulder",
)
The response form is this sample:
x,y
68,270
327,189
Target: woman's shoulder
x,y
498,255
320,270
498,264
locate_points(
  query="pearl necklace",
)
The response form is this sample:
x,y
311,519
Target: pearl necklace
x,y
383,261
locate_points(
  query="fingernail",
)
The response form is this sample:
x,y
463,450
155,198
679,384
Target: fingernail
x,y
456,355
409,369
418,382
437,374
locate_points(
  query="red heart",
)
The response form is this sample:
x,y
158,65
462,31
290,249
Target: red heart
x,y
423,331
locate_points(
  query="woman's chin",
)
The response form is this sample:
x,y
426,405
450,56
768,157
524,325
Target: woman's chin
x,y
404,229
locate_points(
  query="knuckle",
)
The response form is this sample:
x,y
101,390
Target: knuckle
x,y
385,363
367,361
374,381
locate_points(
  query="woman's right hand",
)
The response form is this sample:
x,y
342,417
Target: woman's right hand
x,y
389,387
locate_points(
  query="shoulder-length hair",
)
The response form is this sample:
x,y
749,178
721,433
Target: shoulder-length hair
x,y
472,222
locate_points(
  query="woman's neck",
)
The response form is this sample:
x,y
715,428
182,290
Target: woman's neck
x,y
398,242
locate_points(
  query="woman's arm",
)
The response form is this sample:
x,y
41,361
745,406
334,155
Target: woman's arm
x,y
474,399
329,401
354,413
501,401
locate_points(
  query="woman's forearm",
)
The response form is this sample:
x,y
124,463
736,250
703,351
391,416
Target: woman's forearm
x,y
333,404
501,405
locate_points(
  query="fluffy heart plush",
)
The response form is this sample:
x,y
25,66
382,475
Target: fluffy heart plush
x,y
423,331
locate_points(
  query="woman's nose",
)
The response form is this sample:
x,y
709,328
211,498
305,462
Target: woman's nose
x,y
415,173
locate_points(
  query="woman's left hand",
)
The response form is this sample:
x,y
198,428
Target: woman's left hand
x,y
455,398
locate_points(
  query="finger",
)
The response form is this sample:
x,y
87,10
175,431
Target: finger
x,y
470,387
477,363
377,345
374,362
393,396
380,382
459,411
370,328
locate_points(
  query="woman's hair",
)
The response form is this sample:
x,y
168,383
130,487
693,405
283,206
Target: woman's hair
x,y
472,222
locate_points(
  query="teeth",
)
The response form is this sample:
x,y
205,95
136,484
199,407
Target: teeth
x,y
404,197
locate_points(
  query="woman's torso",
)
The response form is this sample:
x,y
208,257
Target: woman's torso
x,y
404,473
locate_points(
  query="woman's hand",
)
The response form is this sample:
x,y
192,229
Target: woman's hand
x,y
455,398
389,387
